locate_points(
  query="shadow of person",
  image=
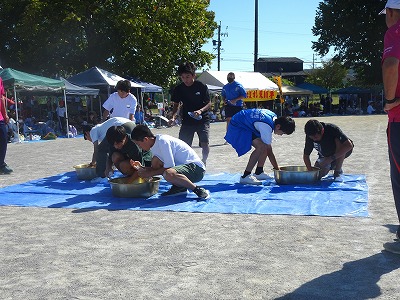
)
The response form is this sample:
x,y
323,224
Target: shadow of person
x,y
356,280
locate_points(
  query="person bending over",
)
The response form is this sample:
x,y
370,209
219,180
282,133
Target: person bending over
x,y
254,127
101,148
123,150
332,145
174,159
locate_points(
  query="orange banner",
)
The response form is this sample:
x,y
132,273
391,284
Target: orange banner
x,y
260,95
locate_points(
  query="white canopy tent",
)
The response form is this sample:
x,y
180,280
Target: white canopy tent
x,y
257,86
249,80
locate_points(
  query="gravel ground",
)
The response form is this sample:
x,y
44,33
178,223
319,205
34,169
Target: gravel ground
x,y
100,254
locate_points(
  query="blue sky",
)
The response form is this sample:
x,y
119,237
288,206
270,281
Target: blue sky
x,y
284,30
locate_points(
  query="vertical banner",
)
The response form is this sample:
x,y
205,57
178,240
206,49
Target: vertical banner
x,y
278,81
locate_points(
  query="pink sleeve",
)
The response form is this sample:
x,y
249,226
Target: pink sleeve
x,y
2,92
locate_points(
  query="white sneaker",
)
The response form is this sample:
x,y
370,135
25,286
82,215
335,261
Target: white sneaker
x,y
338,179
262,176
250,179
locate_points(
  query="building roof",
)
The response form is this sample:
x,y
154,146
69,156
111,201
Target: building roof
x,y
280,59
299,73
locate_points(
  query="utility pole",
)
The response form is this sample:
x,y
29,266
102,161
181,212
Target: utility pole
x,y
255,34
217,43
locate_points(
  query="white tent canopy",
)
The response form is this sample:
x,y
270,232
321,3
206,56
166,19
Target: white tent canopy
x,y
249,80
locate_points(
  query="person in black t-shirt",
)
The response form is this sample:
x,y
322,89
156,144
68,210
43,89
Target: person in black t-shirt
x,y
195,101
332,145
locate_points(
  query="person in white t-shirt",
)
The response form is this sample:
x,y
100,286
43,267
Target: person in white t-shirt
x,y
121,103
172,158
101,147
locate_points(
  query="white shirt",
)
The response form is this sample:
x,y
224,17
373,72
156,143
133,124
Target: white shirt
x,y
98,132
122,107
265,131
174,152
61,111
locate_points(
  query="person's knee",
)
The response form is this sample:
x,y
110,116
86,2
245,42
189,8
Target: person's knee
x,y
169,174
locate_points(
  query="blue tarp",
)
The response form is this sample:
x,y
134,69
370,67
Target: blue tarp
x,y
327,198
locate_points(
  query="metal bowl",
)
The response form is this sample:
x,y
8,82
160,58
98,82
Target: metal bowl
x,y
296,175
84,172
140,188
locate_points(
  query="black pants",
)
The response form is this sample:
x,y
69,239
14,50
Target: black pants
x,y
393,133
3,142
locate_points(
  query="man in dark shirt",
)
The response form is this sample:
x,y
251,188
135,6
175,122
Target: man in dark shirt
x,y
332,145
195,101
123,150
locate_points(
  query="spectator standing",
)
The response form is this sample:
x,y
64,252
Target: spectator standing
x,y
4,168
232,94
61,115
121,103
195,100
391,83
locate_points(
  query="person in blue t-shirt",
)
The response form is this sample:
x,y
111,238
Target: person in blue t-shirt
x,y
254,128
232,94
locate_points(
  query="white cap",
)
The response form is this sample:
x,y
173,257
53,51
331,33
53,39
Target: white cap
x,y
390,4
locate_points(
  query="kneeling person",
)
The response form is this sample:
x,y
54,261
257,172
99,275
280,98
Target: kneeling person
x,y
175,160
332,145
123,151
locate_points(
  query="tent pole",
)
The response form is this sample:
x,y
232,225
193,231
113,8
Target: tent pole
x,y
66,112
101,115
16,113
141,101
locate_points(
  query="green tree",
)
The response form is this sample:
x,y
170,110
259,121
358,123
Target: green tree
x,y
330,75
142,38
355,32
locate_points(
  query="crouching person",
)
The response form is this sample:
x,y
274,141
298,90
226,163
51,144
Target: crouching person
x,y
123,151
175,160
332,145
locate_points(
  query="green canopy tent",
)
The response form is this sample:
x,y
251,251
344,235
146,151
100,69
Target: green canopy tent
x,y
22,82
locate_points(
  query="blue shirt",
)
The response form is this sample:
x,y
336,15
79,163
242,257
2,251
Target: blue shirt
x,y
241,128
232,91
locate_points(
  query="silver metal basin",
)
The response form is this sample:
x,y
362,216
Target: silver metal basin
x,y
84,172
296,175
140,188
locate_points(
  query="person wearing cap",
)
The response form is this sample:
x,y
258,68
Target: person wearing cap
x,y
120,103
195,100
391,83
232,94
101,148
254,128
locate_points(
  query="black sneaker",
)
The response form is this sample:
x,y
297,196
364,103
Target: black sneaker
x,y
201,192
5,169
174,191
